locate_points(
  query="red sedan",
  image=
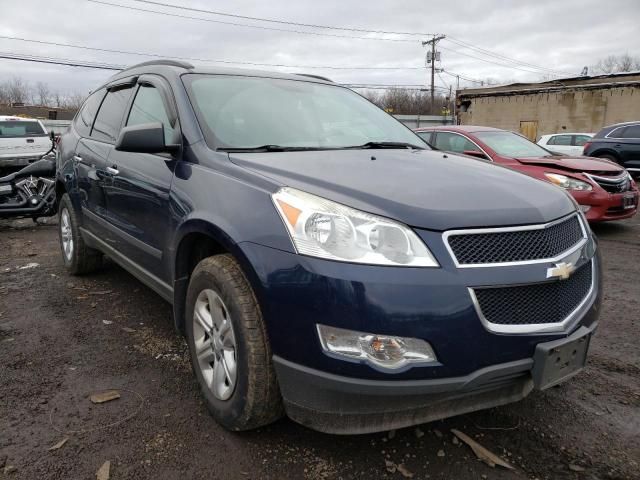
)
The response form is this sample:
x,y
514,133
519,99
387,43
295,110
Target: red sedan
x,y
604,190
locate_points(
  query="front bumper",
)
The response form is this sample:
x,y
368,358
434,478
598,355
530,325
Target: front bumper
x,y
477,368
344,405
605,206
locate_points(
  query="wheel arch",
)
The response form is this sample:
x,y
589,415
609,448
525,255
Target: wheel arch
x,y
195,240
605,151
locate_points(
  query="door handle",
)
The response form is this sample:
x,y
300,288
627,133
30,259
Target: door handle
x,y
112,171
77,159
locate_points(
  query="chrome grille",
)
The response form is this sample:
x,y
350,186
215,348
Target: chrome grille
x,y
515,244
617,184
540,303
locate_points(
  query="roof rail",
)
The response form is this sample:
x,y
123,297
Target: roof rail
x,y
317,77
170,63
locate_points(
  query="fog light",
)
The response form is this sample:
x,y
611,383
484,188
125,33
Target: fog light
x,y
585,208
381,351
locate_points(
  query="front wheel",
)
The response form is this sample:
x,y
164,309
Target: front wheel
x,y
229,348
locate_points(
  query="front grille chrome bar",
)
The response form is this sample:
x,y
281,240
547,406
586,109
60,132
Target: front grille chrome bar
x,y
526,228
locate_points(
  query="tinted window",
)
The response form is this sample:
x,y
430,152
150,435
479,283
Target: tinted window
x,y
632,131
245,112
14,128
453,142
617,132
560,140
426,136
84,118
581,140
148,107
109,119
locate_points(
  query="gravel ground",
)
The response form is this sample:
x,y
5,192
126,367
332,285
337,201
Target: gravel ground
x,y
64,338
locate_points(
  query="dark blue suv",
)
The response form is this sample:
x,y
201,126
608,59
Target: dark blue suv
x,y
619,143
320,258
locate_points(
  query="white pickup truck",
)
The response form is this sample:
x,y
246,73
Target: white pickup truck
x,y
22,141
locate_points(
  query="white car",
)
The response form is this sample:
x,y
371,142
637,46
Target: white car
x,y
565,143
22,141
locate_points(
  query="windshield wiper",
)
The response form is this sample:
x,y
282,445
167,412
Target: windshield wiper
x,y
268,148
374,145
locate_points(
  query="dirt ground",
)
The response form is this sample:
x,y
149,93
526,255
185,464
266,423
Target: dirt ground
x,y
64,338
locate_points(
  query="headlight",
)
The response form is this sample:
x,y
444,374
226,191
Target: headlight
x,y
326,229
385,352
567,182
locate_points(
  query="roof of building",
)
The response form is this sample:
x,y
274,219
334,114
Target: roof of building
x,y
587,82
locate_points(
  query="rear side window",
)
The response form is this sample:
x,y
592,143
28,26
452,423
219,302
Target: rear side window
x,y
453,142
18,128
109,119
148,107
632,131
426,136
84,118
581,140
560,140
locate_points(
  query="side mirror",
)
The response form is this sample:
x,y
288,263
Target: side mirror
x,y
475,153
144,138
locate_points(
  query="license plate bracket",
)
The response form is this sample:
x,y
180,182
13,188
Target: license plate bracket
x,y
556,361
628,201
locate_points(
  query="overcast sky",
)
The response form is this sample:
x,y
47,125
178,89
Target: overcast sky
x,y
560,35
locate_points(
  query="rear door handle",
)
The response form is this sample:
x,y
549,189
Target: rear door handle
x,y
77,159
112,171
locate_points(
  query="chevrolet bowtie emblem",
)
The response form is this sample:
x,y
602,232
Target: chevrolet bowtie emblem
x,y
562,271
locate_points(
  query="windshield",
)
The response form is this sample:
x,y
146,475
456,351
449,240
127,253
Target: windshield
x,y
249,112
18,128
510,144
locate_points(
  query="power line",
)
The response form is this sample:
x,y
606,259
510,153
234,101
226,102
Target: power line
x,y
353,29
302,32
107,66
59,61
503,57
468,79
278,21
156,55
538,72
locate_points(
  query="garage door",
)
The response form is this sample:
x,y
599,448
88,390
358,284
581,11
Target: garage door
x,y
529,129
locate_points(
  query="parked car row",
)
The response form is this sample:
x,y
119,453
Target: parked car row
x,y
325,262
603,188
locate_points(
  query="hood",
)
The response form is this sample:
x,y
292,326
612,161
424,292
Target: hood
x,y
575,164
422,188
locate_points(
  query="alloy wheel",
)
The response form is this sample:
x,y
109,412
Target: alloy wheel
x,y
215,344
66,234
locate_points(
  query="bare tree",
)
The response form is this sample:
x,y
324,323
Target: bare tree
x,y
74,100
18,90
617,63
403,101
43,94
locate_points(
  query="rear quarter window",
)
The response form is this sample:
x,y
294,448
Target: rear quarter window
x,y
86,115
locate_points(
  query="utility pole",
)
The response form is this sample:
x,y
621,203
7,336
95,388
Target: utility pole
x,y
432,42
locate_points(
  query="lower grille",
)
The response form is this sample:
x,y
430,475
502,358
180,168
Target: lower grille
x,y
540,303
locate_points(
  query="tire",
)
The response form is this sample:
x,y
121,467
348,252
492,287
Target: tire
x,y
220,295
78,258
